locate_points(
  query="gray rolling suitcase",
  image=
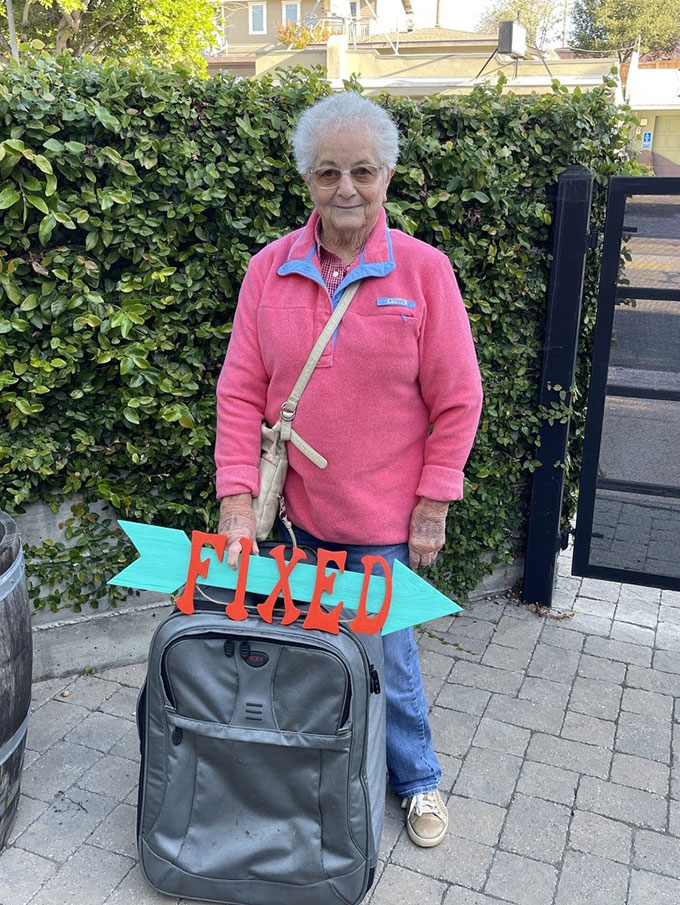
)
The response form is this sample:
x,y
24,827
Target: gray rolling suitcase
x,y
262,778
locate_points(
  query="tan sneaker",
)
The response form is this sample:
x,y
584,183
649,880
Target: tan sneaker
x,y
427,819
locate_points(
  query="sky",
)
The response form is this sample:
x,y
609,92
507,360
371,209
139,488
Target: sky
x,y
461,14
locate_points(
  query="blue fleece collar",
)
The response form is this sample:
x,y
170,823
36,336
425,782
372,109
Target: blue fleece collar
x,y
377,258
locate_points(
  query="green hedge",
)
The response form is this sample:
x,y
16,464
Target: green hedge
x,y
132,199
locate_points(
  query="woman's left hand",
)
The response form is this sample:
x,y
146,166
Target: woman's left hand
x,y
427,531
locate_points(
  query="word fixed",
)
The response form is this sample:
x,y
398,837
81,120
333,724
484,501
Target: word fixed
x,y
316,617
163,564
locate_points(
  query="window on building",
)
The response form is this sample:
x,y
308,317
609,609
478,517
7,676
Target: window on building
x,y
291,13
257,15
354,10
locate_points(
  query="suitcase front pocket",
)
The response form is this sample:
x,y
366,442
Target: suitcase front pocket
x,y
256,808
216,677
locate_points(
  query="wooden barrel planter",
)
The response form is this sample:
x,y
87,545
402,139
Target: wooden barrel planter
x,y
16,661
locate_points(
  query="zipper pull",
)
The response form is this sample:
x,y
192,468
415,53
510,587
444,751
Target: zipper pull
x,y
229,647
177,735
375,680
244,649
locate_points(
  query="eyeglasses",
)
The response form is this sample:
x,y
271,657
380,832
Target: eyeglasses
x,y
327,177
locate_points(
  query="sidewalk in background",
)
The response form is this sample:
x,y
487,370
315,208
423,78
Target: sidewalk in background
x,y
558,737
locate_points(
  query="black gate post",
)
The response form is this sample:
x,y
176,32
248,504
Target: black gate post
x,y
570,244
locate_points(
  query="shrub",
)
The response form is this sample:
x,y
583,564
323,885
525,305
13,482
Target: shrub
x,y
132,200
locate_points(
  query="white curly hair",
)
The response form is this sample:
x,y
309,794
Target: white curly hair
x,y
336,113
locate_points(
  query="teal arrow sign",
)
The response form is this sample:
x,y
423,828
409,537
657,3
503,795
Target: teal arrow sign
x,y
164,562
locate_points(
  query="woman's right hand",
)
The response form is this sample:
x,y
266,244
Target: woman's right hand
x,y
237,520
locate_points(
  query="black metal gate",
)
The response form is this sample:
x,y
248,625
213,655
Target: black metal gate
x,y
628,522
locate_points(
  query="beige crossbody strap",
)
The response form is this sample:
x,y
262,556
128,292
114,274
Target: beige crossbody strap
x,y
289,407
321,344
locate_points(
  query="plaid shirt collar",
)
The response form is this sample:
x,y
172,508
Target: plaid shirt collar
x,y
332,269
376,260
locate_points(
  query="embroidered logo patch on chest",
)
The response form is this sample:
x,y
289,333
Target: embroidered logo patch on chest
x,y
402,303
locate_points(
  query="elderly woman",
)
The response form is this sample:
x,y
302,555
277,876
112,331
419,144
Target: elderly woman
x,y
393,403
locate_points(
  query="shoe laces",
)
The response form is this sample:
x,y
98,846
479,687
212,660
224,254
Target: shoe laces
x,y
423,803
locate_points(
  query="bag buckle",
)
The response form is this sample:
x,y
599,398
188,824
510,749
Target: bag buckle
x,y
287,414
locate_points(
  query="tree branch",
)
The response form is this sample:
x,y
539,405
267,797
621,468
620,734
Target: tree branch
x,y
72,20
69,25
66,28
25,14
99,36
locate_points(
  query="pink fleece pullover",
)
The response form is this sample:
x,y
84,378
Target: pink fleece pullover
x,y
402,359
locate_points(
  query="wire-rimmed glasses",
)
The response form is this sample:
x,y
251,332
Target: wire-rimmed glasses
x,y
362,174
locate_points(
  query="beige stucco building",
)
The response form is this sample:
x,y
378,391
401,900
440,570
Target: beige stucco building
x,y
248,27
428,66
653,92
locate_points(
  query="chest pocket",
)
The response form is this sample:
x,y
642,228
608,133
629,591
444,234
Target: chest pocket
x,y
385,342
390,311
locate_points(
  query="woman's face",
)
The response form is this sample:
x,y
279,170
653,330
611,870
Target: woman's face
x,y
346,208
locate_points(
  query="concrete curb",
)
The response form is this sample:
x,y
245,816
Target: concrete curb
x,y
102,640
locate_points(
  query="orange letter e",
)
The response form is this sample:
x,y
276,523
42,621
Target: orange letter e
x,y
316,618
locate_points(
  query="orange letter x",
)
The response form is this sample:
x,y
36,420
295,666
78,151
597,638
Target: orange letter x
x,y
291,612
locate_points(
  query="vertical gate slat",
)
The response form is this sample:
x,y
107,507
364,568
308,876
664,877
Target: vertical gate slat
x,y
570,243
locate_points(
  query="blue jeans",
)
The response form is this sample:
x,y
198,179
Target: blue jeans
x,y
412,765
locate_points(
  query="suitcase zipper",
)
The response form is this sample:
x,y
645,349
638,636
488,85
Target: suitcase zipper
x,y
373,688
375,679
